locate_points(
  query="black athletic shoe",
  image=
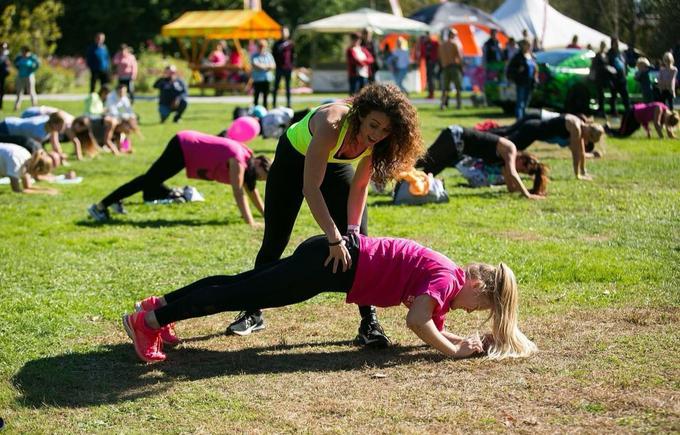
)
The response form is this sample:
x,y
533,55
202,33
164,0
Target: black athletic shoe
x,y
246,323
371,333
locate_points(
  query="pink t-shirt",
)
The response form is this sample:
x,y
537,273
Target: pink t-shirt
x,y
390,272
206,157
644,112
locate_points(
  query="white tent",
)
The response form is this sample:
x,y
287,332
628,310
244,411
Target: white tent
x,y
378,22
541,20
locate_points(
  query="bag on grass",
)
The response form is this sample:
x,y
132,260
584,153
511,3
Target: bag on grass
x,y
479,174
435,192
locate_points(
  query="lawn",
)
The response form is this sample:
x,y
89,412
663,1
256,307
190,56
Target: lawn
x,y
598,265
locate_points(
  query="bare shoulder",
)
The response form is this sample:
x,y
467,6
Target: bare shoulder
x,y
573,122
328,119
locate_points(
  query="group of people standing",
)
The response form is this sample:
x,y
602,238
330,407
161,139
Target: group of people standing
x,y
266,65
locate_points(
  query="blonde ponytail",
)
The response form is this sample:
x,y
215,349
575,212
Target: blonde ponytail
x,y
500,285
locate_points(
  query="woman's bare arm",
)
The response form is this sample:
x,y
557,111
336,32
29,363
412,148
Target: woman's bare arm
x,y
358,191
419,320
236,173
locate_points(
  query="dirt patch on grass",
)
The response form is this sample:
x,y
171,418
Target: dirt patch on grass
x,y
597,371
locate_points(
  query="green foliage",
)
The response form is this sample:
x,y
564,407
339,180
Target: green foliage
x,y
35,28
54,79
48,80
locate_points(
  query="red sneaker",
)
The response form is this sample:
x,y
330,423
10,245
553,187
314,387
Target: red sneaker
x,y
147,341
168,334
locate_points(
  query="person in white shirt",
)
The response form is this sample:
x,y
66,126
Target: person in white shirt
x,y
21,167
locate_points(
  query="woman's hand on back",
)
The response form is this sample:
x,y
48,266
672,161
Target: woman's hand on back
x,y
339,254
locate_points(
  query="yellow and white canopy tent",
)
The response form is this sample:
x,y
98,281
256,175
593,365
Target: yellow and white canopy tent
x,y
204,26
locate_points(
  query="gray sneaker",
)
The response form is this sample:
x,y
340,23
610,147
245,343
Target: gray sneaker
x,y
245,323
118,208
98,215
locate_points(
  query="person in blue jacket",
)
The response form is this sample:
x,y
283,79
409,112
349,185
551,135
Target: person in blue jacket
x,y
98,61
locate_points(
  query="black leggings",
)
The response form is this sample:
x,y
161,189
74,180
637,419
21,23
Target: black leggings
x,y
628,125
285,75
30,144
283,199
260,88
151,183
523,132
441,154
284,282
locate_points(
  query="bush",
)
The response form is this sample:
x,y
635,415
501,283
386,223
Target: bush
x,y
48,80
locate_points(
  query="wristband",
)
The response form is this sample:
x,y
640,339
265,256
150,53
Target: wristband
x,y
353,229
339,242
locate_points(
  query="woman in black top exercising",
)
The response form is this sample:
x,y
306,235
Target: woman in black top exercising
x,y
565,130
455,142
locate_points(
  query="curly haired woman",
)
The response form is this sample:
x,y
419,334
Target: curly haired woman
x,y
379,129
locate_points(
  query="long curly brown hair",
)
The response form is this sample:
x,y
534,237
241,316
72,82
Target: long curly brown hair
x,y
404,145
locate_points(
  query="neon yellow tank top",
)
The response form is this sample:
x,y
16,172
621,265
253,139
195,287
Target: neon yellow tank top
x,y
300,137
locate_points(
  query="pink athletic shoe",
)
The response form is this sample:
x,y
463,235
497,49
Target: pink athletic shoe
x,y
147,341
168,331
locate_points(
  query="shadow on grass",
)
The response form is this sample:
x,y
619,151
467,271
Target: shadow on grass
x,y
113,374
156,223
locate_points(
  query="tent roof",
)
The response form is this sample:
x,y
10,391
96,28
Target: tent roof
x,y
365,18
446,14
234,24
541,20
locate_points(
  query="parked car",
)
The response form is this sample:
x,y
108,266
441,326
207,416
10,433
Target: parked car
x,y
562,85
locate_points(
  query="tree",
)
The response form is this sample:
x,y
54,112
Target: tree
x,y
36,28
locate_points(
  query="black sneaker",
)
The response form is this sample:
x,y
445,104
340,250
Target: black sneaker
x,y
245,323
371,333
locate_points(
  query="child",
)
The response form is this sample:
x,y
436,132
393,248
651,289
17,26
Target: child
x,y
642,76
118,104
667,77
384,272
21,166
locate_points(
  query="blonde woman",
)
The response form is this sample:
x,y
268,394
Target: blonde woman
x,y
385,272
667,76
22,167
567,130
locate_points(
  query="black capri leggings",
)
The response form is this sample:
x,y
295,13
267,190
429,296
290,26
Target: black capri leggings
x,y
523,133
284,282
628,125
30,144
151,184
441,154
283,199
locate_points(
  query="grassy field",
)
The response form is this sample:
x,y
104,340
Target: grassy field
x,y
598,265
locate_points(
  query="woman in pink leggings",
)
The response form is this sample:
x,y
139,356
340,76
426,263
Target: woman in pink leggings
x,y
384,272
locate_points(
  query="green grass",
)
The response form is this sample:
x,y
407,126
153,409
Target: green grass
x,y
598,265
